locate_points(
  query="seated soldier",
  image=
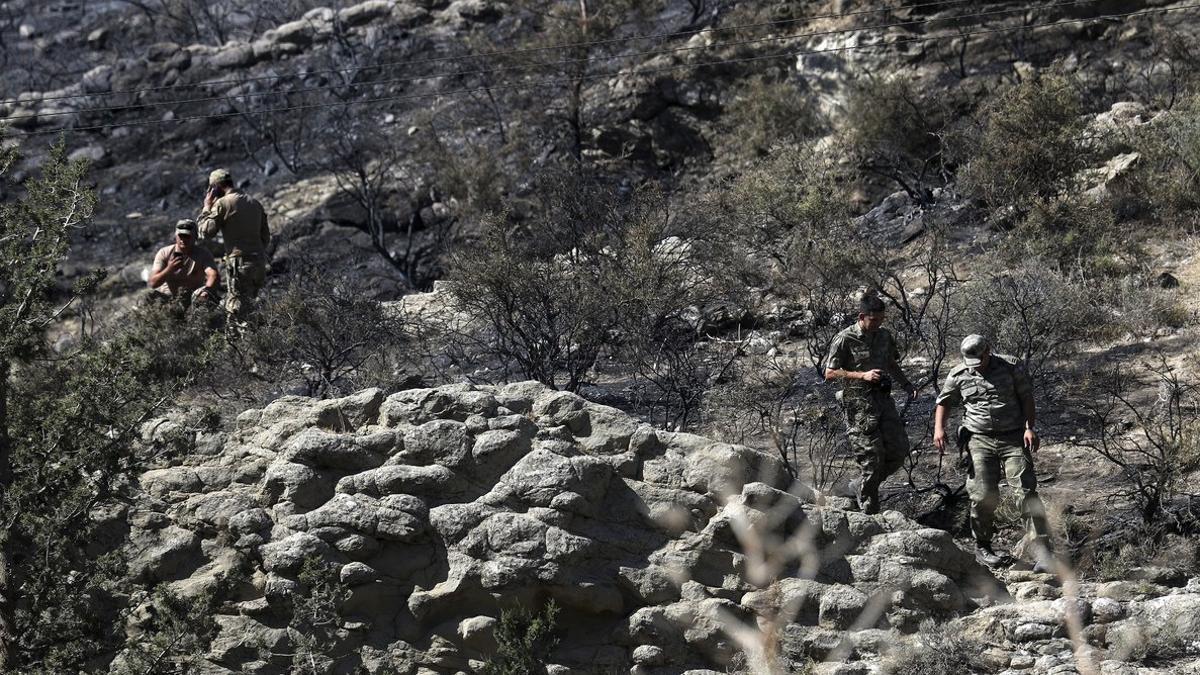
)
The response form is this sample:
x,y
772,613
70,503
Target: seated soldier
x,y
183,271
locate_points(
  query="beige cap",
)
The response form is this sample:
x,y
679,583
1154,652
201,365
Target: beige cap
x,y
973,349
219,176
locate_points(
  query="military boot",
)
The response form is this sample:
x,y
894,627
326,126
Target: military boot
x,y
984,555
868,502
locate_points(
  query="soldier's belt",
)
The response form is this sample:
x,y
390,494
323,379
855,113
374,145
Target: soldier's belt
x,y
998,434
252,256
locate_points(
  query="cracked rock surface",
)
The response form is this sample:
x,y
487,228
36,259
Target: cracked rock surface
x,y
439,507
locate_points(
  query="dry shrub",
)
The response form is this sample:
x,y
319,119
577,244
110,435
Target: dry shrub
x,y
765,113
1025,145
1168,177
1033,313
893,131
938,650
1154,444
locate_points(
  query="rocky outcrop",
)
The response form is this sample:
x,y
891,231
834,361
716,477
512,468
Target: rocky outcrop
x,y
440,507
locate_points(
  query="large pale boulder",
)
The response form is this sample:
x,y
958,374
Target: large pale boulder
x,y
435,509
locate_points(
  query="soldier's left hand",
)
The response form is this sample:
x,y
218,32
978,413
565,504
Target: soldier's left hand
x,y
1032,442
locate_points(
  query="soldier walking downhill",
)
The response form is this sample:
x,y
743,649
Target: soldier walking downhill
x,y
242,221
865,357
998,431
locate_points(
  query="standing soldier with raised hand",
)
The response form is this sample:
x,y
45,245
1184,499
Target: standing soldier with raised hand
x,y
998,431
865,357
242,221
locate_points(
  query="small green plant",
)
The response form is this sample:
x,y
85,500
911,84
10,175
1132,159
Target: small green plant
x,y
316,617
524,641
178,630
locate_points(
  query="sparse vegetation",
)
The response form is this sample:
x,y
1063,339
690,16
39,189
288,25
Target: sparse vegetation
x,y
1169,178
319,334
1154,442
666,207
936,651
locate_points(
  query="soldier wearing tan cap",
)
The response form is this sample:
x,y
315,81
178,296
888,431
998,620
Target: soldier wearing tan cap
x,y
183,271
242,222
998,431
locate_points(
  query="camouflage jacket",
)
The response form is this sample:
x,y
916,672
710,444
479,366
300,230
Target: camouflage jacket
x,y
992,398
242,221
857,350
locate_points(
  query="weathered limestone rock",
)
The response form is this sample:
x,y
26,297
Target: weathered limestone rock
x,y
437,508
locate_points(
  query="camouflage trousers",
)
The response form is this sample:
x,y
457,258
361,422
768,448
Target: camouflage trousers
x,y
991,454
877,438
244,278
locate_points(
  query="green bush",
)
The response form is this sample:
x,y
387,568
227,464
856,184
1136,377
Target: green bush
x,y
893,132
316,618
175,630
70,425
1025,146
766,113
75,425
1079,233
524,640
1168,176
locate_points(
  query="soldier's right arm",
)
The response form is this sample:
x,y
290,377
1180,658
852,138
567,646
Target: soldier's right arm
x,y
838,360
948,397
832,360
212,220
951,393
159,271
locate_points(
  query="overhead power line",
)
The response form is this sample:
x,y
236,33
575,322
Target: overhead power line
x,y
526,67
541,83
483,55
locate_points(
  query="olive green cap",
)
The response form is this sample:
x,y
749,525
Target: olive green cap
x,y
186,226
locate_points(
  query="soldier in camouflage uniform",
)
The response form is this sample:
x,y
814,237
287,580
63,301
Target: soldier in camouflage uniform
x,y
242,221
998,431
865,357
